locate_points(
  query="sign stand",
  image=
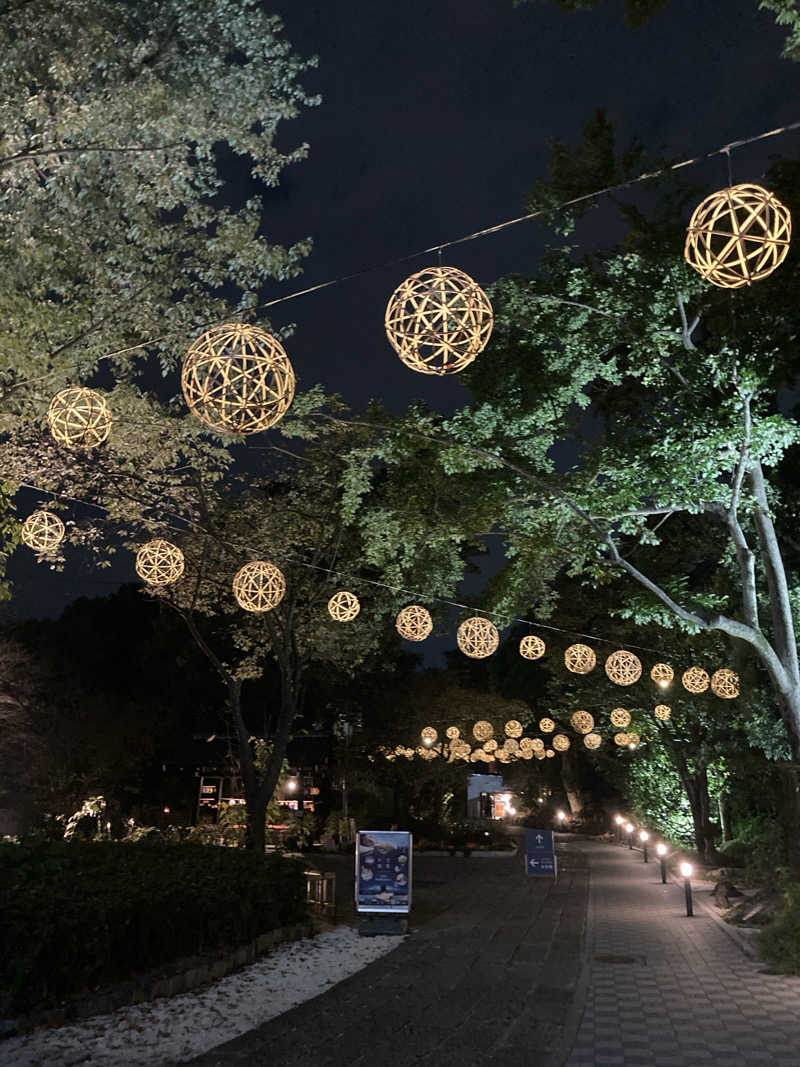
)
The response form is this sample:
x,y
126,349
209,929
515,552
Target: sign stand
x,y
383,881
540,854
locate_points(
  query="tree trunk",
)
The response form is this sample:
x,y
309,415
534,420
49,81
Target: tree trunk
x,y
696,786
790,815
570,779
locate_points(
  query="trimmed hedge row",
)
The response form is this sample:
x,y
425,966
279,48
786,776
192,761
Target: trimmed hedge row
x,y
75,916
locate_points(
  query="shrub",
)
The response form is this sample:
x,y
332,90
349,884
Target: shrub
x,y
78,915
736,853
780,942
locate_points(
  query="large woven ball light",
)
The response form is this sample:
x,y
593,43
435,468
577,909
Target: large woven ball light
x,y
662,674
531,647
159,562
696,680
343,606
513,728
546,725
580,659
237,378
738,235
259,586
42,531
593,740
725,683
438,320
414,623
623,668
560,742
582,722
79,417
663,712
482,730
477,637
620,717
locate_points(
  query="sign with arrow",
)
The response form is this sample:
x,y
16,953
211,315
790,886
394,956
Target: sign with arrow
x,y
540,855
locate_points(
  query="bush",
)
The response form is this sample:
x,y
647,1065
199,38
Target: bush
x,y
75,916
736,853
780,942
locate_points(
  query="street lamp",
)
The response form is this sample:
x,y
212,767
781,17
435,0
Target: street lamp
x,y
619,821
661,849
686,872
644,837
629,832
561,816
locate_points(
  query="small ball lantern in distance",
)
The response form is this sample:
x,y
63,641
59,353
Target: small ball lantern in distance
x,y
511,745
620,717
663,712
696,680
343,606
580,659
513,728
725,683
438,320
623,667
452,733
414,623
43,531
531,647
490,745
622,739
662,674
159,562
477,637
79,417
259,586
738,235
582,722
429,735
482,730
593,740
546,725
561,742
549,752
526,745
237,378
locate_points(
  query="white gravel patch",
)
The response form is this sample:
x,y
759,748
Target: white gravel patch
x,y
174,1029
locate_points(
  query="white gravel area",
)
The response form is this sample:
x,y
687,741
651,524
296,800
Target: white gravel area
x,y
174,1029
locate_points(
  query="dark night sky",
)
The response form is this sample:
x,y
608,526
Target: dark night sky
x,y
435,122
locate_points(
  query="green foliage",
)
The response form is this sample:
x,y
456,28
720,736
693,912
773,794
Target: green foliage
x,y
657,796
780,942
75,916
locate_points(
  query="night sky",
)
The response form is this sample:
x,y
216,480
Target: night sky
x,y
435,122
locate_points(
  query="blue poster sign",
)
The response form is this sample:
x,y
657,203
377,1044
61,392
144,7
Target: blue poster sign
x,y
383,871
540,854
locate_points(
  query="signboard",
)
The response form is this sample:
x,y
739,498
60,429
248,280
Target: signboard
x,y
540,855
383,871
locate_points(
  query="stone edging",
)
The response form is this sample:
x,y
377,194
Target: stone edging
x,y
195,972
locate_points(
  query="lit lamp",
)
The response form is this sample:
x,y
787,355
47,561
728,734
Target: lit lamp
x,y
644,837
661,849
686,874
619,821
561,816
629,832
291,785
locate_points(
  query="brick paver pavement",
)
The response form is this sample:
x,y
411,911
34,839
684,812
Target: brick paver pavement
x,y
663,990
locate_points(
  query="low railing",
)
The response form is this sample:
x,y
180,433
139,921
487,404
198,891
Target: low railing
x,y
321,893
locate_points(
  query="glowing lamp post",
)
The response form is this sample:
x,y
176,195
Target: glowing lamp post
x,y
629,832
644,838
561,816
619,821
661,849
686,873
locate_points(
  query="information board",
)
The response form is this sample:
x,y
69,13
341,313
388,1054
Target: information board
x,y
383,871
540,855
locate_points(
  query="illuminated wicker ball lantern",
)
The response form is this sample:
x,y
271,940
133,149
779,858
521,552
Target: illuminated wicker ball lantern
x,y
259,586
622,739
620,717
511,745
531,647
438,320
490,745
623,668
537,744
738,235
662,674
633,739
593,740
482,730
580,659
237,378
526,745
159,562
549,752
414,623
725,684
560,742
477,637
452,733
695,680
663,712
546,725
343,606
43,531
513,728
582,722
79,417
429,735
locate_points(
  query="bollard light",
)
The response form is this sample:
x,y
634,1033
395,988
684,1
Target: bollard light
x,y
619,821
644,837
629,832
561,816
686,872
661,849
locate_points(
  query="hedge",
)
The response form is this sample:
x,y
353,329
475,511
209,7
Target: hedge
x,y
78,916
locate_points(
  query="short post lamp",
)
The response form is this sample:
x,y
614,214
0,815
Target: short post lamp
x,y
619,821
561,816
644,837
661,849
686,873
629,832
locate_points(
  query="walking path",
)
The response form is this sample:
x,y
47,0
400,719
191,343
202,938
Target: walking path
x,y
505,971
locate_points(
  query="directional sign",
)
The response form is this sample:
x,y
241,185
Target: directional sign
x,y
540,856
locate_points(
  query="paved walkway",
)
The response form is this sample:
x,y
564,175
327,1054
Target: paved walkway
x,y
505,971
